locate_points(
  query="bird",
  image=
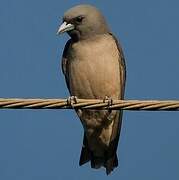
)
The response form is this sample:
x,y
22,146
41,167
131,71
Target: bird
x,y
94,68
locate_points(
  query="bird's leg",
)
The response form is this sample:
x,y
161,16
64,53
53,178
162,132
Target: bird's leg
x,y
71,101
109,101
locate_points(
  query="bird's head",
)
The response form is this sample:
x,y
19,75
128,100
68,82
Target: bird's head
x,y
82,22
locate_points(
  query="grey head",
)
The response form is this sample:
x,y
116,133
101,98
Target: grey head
x,y
82,22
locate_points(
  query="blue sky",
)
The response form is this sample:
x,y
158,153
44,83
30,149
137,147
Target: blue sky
x,y
46,144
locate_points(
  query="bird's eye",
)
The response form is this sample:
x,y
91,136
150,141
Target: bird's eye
x,y
79,19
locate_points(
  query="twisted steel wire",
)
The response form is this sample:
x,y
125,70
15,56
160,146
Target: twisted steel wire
x,y
154,105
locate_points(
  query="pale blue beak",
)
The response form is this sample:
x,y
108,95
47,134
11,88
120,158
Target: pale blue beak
x,y
65,27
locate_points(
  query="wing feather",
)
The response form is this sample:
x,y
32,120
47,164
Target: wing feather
x,y
65,63
118,119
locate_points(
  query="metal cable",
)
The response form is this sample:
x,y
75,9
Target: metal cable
x,y
154,105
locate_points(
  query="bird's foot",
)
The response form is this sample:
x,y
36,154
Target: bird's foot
x,y
71,101
108,100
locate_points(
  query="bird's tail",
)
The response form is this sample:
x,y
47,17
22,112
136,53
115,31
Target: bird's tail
x,y
111,163
108,161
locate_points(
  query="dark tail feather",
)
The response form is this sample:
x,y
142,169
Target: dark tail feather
x,y
85,152
108,161
111,163
87,155
97,162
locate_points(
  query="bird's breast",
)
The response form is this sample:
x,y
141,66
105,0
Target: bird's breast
x,y
94,68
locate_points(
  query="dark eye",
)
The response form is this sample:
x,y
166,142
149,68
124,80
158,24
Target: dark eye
x,y
79,19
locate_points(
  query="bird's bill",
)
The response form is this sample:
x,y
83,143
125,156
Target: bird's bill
x,y
65,27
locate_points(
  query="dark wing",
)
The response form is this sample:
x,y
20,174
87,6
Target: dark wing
x,y
122,65
112,160
65,62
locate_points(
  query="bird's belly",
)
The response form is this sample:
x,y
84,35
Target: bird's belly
x,y
80,80
94,79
